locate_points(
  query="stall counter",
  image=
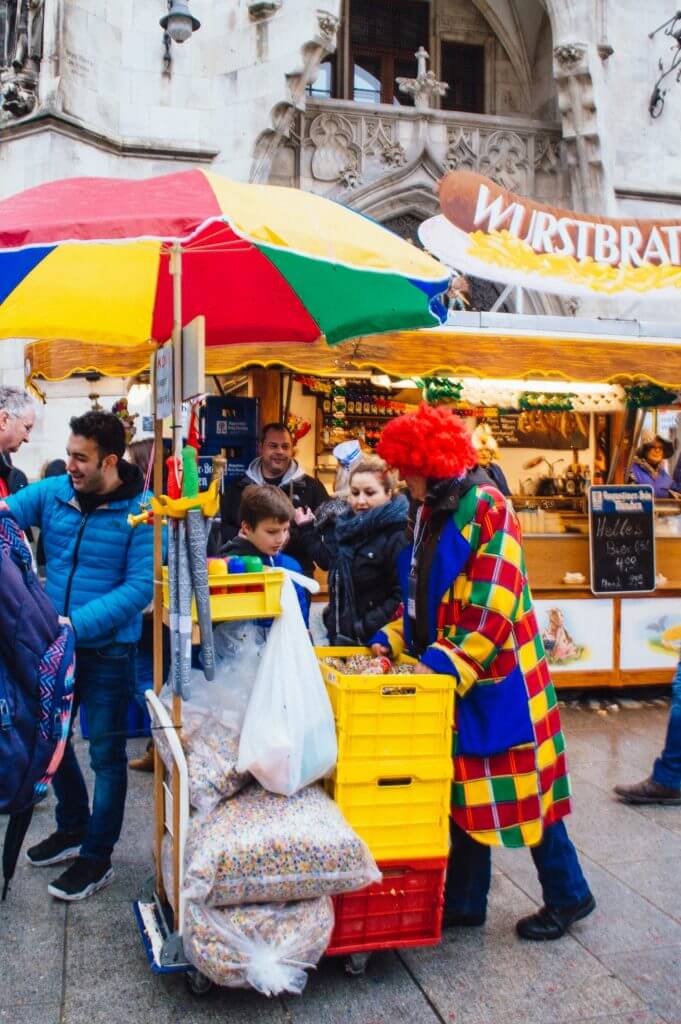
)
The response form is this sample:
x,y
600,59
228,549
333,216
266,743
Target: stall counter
x,y
604,641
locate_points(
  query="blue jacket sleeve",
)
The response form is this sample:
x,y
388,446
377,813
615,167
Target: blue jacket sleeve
x,y
108,613
27,504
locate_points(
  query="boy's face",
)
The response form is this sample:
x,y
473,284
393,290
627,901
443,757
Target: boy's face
x,y
269,536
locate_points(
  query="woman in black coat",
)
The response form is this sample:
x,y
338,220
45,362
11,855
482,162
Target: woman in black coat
x,y
360,549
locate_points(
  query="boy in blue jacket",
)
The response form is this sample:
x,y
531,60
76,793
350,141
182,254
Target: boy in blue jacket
x,y
266,515
99,575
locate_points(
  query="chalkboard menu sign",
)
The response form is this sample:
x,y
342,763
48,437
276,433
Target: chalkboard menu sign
x,y
622,539
537,428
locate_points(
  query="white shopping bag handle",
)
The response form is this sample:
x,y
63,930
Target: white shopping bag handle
x,y
303,581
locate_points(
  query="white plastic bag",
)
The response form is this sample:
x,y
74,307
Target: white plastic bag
x,y
262,946
288,739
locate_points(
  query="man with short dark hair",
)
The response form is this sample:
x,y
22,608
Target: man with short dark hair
x,y
276,465
17,417
99,575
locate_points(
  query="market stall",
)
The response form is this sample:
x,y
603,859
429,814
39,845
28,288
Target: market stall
x,y
586,388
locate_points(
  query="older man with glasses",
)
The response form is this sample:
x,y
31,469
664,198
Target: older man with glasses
x,y
17,417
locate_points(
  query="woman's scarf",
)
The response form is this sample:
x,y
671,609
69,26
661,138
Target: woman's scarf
x,y
352,531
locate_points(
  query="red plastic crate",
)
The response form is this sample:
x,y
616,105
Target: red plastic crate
x,y
404,909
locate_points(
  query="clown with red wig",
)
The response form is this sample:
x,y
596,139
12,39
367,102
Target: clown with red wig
x,y
467,611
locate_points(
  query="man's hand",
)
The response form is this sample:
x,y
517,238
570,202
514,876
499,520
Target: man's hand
x,y
64,621
422,670
380,651
303,516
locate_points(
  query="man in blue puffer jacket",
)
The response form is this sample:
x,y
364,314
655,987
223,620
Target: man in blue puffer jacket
x,y
100,577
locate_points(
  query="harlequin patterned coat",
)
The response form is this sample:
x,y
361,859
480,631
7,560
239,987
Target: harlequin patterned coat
x,y
475,620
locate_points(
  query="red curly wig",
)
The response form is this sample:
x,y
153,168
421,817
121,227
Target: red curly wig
x,y
431,442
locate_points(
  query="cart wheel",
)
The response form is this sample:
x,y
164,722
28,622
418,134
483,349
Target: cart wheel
x,y
356,964
197,983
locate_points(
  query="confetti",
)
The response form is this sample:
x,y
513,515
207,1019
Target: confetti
x,y
264,848
261,946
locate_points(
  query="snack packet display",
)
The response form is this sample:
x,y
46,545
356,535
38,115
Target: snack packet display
x,y
264,946
368,665
263,848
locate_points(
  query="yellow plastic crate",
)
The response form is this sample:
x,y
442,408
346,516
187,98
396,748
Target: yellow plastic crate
x,y
230,601
403,814
388,718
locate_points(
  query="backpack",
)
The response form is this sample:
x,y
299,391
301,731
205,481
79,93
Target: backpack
x,y
37,669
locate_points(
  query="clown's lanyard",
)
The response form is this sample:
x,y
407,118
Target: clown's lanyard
x,y
419,536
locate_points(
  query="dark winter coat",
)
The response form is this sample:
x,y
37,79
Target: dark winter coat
x,y
361,554
303,490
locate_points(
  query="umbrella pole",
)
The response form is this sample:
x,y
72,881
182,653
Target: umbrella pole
x,y
176,272
159,798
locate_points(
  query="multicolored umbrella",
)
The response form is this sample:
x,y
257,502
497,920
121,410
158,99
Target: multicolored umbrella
x,y
88,259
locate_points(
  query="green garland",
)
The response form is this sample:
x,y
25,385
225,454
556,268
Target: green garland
x,y
440,389
646,396
546,402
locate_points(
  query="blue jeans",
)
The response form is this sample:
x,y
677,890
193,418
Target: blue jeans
x,y
667,770
469,871
105,682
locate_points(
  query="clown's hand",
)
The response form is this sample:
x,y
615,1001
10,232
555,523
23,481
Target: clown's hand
x,y
380,651
422,670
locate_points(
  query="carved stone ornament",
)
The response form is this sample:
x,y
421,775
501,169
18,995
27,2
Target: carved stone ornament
x,y
350,177
334,150
504,158
425,86
259,10
569,55
461,150
328,29
21,46
393,154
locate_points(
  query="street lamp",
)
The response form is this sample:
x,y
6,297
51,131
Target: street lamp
x,y
179,22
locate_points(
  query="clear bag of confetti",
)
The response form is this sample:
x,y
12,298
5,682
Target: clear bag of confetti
x,y
212,718
268,947
263,848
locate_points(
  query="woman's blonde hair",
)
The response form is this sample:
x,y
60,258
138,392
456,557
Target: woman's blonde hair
x,y
375,465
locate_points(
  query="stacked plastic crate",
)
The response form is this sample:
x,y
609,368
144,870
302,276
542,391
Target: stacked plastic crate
x,y
392,782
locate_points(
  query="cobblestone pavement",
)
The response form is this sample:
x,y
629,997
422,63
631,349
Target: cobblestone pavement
x,y
85,962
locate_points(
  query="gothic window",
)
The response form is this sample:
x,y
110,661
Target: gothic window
x,y
384,36
463,68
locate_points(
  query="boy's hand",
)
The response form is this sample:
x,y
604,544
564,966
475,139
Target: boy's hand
x,y
303,516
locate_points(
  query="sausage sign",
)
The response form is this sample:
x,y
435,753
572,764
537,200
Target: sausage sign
x,y
493,233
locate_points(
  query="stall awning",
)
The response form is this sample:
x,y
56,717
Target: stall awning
x,y
473,345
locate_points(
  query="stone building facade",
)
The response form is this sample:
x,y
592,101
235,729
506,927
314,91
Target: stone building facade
x,y
548,97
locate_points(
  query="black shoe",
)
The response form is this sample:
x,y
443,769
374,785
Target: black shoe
x,y
450,919
551,923
85,876
56,848
648,792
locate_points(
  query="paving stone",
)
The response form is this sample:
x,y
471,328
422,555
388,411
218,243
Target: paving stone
x,y
608,830
488,975
31,1013
117,997
386,994
655,879
655,976
623,919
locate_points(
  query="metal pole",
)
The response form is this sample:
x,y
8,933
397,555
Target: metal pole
x,y
176,272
